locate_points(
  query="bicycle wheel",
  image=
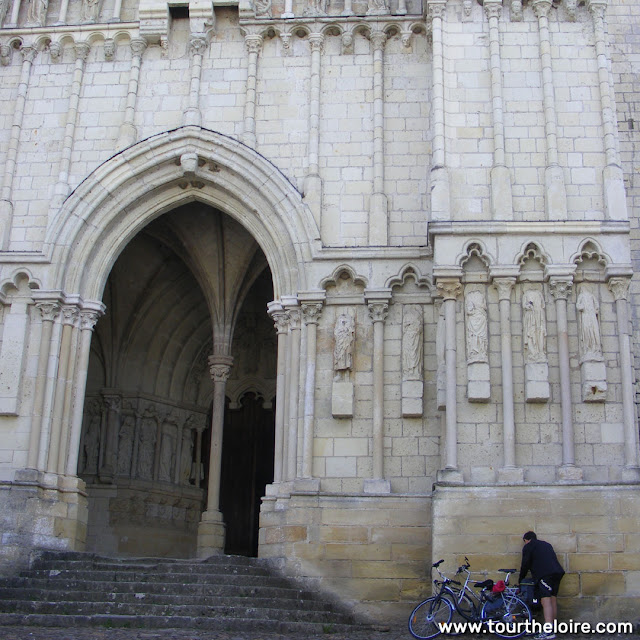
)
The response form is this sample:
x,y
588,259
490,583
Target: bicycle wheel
x,y
426,618
507,618
465,608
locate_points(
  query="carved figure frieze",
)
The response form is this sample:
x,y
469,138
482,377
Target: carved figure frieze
x,y
534,326
344,335
90,10
589,326
37,12
125,445
477,326
148,435
412,342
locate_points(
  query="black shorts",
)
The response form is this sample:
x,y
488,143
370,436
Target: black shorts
x,y
548,586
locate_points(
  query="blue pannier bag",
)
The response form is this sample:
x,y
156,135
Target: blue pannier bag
x,y
494,603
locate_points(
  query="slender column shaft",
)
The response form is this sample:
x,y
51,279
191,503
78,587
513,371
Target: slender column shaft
x,y
198,478
281,323
450,290
15,12
561,288
88,320
62,15
220,367
253,43
311,316
294,377
65,430
49,311
178,453
117,8
127,135
316,41
436,12
493,9
620,289
378,312
69,319
6,204
197,47
62,187
378,40
505,286
288,9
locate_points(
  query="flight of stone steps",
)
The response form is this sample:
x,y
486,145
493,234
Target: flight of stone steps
x,y
222,593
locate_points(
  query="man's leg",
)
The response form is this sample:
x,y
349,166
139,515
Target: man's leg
x,y
548,609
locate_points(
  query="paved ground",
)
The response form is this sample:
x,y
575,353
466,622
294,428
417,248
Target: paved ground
x,y
42,633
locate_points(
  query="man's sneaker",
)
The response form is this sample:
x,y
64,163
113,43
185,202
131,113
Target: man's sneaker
x,y
544,636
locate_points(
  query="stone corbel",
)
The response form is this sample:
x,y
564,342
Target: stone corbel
x,y
5,54
109,49
347,42
571,7
516,11
202,17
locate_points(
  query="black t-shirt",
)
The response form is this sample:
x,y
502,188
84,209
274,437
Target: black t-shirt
x,y
539,557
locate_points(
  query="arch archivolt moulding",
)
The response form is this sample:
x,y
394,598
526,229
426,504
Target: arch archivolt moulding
x,y
160,173
408,271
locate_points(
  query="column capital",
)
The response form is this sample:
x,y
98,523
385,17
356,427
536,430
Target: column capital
x,y
311,312
88,319
29,52
138,46
197,44
220,367
493,8
561,287
504,286
49,310
294,318
316,41
378,39
82,50
253,42
378,310
619,287
597,7
70,314
541,8
449,288
436,8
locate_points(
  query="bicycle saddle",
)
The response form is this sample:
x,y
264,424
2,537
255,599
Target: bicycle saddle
x,y
507,570
486,584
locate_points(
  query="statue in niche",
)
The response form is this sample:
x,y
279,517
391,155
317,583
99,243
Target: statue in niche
x,y
477,327
125,445
90,10
263,8
534,325
186,458
37,12
314,8
589,326
167,453
344,334
412,347
377,7
90,445
147,446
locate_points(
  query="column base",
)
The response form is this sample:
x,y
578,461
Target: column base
x,y
569,473
510,475
211,532
373,485
631,474
449,476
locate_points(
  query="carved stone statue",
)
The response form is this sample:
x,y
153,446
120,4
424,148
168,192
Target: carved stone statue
x,y
90,445
125,446
263,8
147,445
477,327
589,326
37,12
344,334
412,347
167,456
314,8
534,326
90,10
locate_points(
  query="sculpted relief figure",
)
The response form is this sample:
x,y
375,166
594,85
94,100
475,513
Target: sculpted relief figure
x,y
37,12
534,325
412,347
147,446
4,7
91,440
477,328
90,10
344,335
589,325
125,445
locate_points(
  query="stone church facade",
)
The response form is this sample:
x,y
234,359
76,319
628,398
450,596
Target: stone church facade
x,y
346,284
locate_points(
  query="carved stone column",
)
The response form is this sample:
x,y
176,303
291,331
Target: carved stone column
x,y
198,479
6,203
128,135
211,528
378,206
69,319
378,307
450,289
509,473
619,287
281,322
197,46
253,43
49,310
311,310
62,187
615,203
291,426
312,181
501,199
439,176
89,315
560,289
555,191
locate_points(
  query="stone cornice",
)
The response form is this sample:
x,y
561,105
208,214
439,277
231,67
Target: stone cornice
x,y
575,228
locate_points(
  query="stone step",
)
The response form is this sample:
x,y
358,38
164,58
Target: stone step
x,y
175,622
157,594
268,610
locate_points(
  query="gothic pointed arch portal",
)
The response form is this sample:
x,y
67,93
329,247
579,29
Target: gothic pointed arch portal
x,y
185,237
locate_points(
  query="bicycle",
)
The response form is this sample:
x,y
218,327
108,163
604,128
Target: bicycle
x,y
426,618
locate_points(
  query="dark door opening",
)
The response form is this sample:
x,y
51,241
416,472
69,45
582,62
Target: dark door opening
x,y
247,467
